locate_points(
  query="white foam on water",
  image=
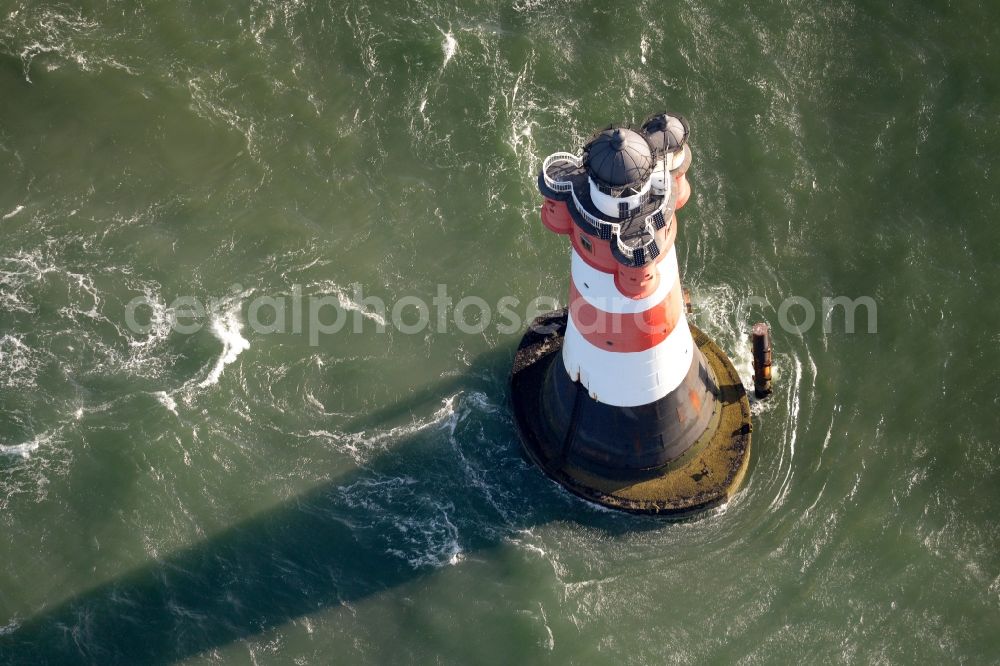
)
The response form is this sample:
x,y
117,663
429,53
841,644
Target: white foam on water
x,y
55,31
145,356
790,435
318,406
449,46
550,642
312,400
346,300
25,449
227,329
726,317
167,401
828,437
85,285
436,541
17,272
14,212
528,5
521,108
348,304
18,363
209,99
474,470
416,521
359,445
423,535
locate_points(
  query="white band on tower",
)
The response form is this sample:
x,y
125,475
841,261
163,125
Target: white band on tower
x,y
599,289
629,379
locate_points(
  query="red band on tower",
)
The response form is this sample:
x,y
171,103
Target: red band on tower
x,y
629,331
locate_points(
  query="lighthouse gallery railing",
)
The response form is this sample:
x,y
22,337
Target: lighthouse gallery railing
x,y
613,227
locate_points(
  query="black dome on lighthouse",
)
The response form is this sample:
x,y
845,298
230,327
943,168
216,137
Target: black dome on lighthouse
x,y
666,133
618,157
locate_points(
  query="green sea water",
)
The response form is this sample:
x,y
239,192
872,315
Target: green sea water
x,y
230,496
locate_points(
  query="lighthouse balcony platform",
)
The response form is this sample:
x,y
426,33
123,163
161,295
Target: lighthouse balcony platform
x,y
636,242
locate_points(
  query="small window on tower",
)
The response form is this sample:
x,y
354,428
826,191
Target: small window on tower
x,y
586,244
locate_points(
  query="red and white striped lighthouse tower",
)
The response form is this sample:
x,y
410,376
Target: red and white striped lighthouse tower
x,y
619,398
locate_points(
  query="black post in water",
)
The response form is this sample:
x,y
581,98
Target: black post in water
x,y
761,360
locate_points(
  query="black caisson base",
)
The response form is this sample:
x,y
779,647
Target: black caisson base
x,y
678,456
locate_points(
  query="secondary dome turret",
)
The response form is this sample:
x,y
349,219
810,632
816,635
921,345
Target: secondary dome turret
x,y
666,133
617,158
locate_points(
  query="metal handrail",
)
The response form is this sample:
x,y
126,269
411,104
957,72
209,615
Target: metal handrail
x,y
615,227
552,183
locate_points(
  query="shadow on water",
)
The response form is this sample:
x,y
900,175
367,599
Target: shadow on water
x,y
317,551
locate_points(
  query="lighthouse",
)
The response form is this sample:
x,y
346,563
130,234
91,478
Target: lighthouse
x,y
618,397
